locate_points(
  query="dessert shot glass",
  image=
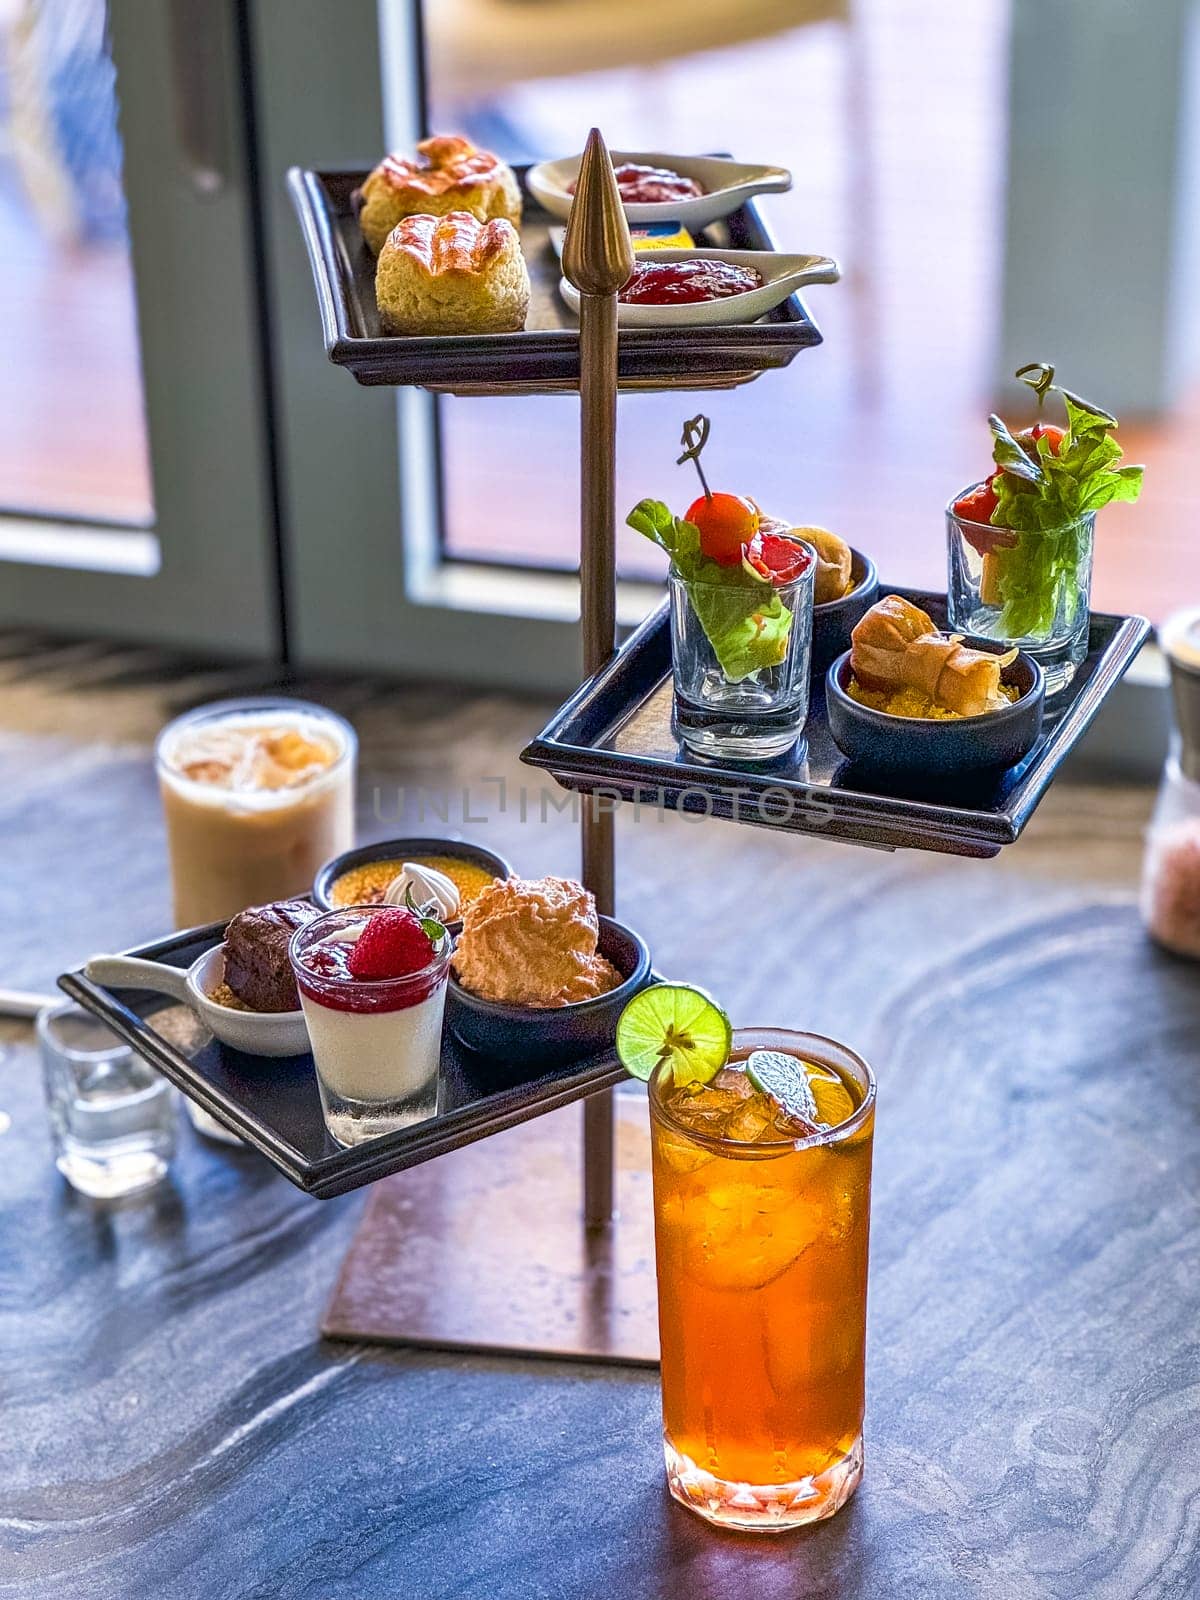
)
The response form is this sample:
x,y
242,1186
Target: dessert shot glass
x,y
762,715
376,1043
113,1119
1031,588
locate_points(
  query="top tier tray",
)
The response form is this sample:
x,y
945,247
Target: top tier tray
x,y
614,737
544,357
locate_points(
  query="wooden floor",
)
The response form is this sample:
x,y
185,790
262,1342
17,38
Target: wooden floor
x,y
870,434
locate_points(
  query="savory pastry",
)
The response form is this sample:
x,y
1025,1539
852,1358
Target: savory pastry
x,y
258,972
833,578
896,648
447,174
533,942
452,274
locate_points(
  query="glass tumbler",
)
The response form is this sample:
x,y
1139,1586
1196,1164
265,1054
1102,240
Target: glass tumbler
x,y
759,716
1030,588
762,1297
113,1119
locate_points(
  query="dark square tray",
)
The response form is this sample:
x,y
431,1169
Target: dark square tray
x,y
614,736
544,357
274,1104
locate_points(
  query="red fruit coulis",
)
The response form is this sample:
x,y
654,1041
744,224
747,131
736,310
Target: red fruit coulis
x,y
670,283
327,978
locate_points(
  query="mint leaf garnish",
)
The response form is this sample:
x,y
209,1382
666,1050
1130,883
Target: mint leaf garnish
x,y
433,930
743,617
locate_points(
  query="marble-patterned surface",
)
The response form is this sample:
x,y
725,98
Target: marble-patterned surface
x,y
171,1426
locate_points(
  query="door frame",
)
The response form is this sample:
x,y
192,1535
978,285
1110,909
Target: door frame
x,y
205,576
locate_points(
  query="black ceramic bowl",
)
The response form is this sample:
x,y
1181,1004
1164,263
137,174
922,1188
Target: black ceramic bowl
x,y
404,850
833,621
557,1033
918,749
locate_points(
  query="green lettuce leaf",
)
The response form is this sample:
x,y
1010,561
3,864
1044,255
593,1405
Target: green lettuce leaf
x,y
1043,497
743,617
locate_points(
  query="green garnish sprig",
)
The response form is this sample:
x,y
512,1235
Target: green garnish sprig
x,y
1047,492
433,929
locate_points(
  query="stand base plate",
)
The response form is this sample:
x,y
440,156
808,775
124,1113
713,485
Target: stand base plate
x,y
485,1250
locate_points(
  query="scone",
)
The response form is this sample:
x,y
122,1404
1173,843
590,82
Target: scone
x,y
447,174
452,274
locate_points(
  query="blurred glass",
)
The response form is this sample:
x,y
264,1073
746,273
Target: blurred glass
x,y
73,443
113,1119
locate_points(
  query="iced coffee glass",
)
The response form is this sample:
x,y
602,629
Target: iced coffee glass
x,y
257,795
761,1242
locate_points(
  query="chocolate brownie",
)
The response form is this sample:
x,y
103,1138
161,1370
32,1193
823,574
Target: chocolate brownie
x,y
257,968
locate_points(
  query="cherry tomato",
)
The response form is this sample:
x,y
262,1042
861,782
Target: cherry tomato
x,y
979,504
1028,437
726,523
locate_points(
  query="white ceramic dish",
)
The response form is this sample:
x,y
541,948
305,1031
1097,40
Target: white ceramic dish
x,y
726,184
782,275
260,1033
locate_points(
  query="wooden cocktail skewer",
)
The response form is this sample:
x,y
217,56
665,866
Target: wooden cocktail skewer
x,y
597,259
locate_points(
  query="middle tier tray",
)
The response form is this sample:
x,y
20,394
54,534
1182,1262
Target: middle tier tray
x,y
614,737
273,1104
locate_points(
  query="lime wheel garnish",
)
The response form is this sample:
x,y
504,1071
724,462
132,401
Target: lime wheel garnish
x,y
678,1024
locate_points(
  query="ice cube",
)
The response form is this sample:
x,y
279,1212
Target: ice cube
x,y
753,1120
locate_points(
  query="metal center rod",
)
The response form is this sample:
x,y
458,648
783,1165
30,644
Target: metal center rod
x,y
597,259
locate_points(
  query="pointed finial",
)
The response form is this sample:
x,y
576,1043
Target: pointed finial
x,y
597,253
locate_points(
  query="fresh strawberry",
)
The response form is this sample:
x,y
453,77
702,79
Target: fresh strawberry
x,y
777,558
392,945
726,523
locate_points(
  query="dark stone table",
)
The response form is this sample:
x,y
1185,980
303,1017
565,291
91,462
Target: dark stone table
x,y
171,1426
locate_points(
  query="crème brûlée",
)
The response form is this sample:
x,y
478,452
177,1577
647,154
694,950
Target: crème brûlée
x,y
533,942
369,883
452,274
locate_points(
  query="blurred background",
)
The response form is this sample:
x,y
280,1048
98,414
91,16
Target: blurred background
x,y
1003,181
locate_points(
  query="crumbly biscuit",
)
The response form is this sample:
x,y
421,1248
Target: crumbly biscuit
x,y
452,274
447,174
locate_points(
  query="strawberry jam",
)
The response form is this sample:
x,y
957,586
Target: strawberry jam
x,y
672,283
649,186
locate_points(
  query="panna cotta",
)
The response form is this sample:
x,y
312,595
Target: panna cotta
x,y
372,982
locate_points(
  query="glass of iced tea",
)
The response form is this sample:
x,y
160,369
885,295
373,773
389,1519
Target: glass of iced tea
x,y
761,1220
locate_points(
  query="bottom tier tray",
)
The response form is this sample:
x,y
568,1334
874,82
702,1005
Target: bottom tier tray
x,y
613,737
274,1105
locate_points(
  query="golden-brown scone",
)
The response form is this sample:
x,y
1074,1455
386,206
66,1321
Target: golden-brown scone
x,y
452,274
532,942
447,174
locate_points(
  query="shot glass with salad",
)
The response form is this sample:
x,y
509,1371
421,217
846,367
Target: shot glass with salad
x,y
1020,542
741,591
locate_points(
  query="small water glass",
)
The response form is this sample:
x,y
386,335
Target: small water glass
x,y
1031,588
113,1119
763,715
